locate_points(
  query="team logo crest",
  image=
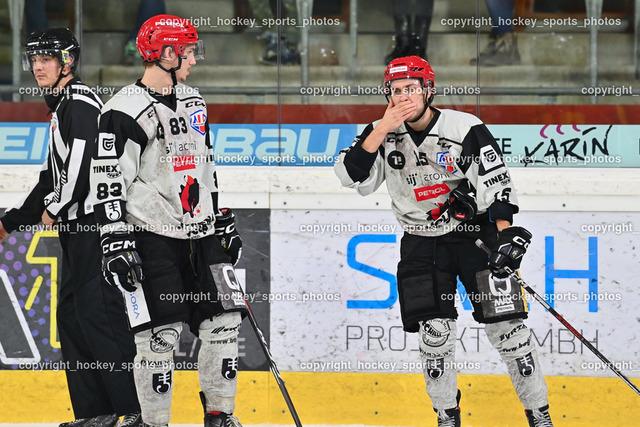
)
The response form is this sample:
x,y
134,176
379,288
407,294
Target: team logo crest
x,y
198,121
445,160
435,368
162,382
230,368
526,365
190,196
112,210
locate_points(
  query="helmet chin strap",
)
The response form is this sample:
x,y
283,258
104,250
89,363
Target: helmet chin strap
x,y
60,77
173,70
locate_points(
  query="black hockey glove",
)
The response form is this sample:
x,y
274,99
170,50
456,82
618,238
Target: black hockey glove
x,y
512,245
463,204
228,235
121,264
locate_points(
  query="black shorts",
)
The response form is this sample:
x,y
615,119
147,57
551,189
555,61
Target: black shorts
x,y
178,284
428,272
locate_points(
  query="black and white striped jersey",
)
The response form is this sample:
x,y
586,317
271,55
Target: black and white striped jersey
x,y
63,185
422,168
154,168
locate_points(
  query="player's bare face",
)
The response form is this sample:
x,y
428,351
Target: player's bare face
x,y
46,69
408,90
188,61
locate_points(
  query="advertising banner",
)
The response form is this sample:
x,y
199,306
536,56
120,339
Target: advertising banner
x,y
335,305
319,144
30,273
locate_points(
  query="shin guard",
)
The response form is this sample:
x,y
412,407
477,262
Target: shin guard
x,y
153,371
512,339
218,360
437,351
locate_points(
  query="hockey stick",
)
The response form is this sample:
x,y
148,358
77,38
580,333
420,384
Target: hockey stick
x,y
529,289
272,363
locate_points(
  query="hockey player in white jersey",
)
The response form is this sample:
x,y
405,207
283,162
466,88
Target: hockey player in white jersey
x,y
449,186
165,241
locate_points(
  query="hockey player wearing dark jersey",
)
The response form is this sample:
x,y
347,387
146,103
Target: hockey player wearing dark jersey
x,y
89,316
166,243
448,186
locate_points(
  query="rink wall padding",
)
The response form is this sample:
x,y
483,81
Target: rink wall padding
x,y
30,263
345,398
321,283
319,266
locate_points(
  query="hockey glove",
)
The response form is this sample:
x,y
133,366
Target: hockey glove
x,y
226,232
121,264
512,245
463,204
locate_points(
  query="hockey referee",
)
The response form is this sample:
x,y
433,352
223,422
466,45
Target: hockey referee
x,y
91,324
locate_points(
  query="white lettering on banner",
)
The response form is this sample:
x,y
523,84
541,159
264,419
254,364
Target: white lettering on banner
x,y
282,143
229,141
303,143
23,144
522,145
274,146
39,144
8,146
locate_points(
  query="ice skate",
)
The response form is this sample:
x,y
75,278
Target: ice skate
x,y
539,417
99,421
75,423
220,419
450,417
131,420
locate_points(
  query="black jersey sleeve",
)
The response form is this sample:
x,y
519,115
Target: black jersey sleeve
x,y
79,129
482,163
358,169
358,161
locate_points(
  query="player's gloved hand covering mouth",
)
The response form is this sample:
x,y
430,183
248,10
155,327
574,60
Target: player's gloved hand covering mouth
x,y
512,245
121,264
226,232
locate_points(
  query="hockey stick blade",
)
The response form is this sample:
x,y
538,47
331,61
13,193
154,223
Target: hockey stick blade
x,y
514,274
272,363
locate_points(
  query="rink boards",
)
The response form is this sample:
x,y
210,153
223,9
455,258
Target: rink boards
x,y
345,398
331,314
319,265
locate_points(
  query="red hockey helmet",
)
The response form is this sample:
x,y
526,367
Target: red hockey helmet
x,y
410,67
161,31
